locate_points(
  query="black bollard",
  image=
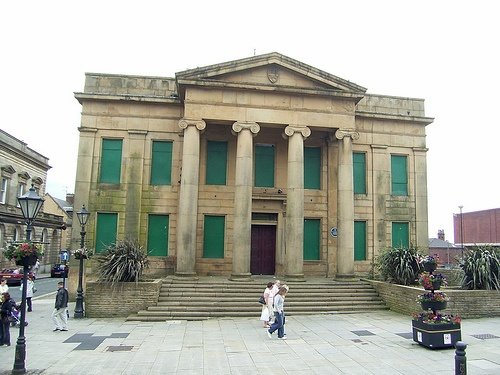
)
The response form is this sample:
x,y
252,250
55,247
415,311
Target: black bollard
x,y
460,359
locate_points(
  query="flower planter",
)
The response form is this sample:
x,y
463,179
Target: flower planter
x,y
436,335
27,261
436,285
429,267
433,305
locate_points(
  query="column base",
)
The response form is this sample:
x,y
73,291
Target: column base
x,y
186,276
346,277
241,277
294,277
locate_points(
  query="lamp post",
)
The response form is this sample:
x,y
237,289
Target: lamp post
x,y
461,231
30,204
83,216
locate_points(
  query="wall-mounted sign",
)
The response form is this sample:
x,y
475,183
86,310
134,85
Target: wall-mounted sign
x,y
333,231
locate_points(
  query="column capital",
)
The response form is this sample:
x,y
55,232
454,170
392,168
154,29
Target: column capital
x,y
200,124
238,126
351,133
292,129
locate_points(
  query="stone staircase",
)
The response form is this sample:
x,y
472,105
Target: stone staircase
x,y
220,298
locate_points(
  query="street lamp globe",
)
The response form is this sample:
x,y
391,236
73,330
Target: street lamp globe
x,y
30,204
83,216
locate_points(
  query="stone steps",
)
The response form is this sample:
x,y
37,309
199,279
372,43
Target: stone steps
x,y
208,298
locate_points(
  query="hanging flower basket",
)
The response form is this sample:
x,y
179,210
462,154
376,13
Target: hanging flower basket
x,y
25,253
429,263
431,281
83,253
433,300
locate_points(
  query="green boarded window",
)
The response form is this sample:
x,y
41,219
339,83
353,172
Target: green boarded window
x,y
161,163
400,235
264,166
111,161
311,239
399,175
213,237
312,167
158,235
359,172
216,163
360,240
105,231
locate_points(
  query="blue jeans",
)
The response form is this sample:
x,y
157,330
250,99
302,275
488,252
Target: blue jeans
x,y
279,324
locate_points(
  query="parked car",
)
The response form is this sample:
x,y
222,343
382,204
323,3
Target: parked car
x,y
14,276
59,270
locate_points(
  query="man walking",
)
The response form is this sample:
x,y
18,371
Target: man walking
x,y
59,315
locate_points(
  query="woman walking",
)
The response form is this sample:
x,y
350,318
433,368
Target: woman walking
x,y
30,289
279,314
7,305
265,314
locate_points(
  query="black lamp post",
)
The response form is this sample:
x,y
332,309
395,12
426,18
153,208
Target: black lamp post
x,y
83,216
30,204
462,231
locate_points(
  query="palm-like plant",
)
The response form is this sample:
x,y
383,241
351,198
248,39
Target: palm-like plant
x,y
481,266
399,265
123,261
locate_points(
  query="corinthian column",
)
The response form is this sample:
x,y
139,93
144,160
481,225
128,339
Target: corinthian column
x,y
188,198
345,252
294,229
242,230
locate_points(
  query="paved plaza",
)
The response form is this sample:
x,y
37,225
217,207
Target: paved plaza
x,y
365,343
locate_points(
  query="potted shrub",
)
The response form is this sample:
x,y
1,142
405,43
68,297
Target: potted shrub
x,y
432,281
481,266
399,265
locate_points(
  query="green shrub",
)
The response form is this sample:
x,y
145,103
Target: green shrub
x,y
123,261
481,266
399,265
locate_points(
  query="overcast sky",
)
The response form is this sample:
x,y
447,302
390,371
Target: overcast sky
x,y
445,52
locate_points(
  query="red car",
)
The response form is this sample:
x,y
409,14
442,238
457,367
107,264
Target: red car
x,y
14,276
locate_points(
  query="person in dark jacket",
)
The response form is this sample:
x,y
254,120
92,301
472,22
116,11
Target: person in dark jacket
x,y
60,313
8,304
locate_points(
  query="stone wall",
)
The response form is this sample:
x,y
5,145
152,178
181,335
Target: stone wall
x,y
466,303
121,300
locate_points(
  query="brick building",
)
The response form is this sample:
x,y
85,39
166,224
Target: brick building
x,y
479,227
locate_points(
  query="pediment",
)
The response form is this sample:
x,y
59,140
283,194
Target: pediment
x,y
270,70
8,170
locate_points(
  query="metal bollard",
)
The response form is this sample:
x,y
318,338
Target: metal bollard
x,y
460,359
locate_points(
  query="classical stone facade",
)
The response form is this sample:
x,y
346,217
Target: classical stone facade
x,y
21,167
271,166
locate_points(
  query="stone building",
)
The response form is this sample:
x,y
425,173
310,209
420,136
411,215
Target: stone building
x,y
263,165
21,167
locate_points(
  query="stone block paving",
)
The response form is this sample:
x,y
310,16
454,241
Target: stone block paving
x,y
366,343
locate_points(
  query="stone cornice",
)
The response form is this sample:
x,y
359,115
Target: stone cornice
x,y
281,89
82,97
386,116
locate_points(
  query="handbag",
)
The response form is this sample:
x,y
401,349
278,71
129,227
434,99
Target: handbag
x,y
262,300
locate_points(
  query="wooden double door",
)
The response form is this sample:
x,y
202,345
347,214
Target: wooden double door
x,y
263,250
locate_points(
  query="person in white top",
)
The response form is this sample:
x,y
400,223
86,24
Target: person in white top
x,y
270,300
265,315
30,289
4,288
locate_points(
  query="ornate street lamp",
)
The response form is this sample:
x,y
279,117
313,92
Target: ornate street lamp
x,y
462,231
30,204
83,217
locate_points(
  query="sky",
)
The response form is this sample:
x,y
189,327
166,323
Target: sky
x,y
445,52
